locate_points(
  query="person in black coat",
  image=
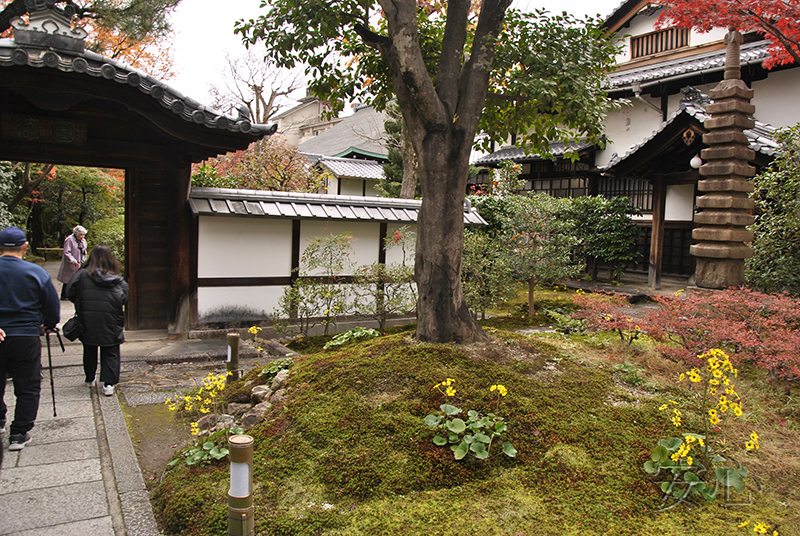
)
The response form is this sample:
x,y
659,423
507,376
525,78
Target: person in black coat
x,y
100,294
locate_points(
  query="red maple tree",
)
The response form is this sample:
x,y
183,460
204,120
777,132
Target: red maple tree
x,y
777,20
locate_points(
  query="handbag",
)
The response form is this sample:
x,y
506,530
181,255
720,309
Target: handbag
x,y
72,328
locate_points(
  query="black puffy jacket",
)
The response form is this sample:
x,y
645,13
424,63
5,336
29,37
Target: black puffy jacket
x,y
99,299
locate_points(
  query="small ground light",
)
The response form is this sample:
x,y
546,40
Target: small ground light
x,y
696,161
241,521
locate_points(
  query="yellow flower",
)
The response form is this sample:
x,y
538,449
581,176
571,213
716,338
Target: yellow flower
x,y
681,377
663,407
744,524
714,420
689,460
761,528
450,391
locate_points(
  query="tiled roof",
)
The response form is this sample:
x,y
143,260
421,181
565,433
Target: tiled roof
x,y
257,203
361,131
38,44
515,154
352,168
706,63
761,136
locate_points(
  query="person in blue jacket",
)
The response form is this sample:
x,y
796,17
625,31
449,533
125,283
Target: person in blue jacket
x,y
100,293
29,304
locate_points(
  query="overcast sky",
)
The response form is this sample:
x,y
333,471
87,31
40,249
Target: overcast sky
x,y
204,32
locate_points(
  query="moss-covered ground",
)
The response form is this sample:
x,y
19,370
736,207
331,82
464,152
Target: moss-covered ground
x,y
347,453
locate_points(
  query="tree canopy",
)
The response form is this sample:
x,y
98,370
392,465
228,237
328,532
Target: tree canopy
x,y
134,31
440,62
777,20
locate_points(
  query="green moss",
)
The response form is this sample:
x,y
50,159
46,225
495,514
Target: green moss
x,y
351,437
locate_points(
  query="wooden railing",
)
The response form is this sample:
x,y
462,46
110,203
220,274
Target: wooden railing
x,y
660,41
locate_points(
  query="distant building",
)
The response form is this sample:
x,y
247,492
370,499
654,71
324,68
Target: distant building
x,y
665,75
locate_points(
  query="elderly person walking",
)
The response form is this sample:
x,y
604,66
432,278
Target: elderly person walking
x,y
28,303
100,294
74,257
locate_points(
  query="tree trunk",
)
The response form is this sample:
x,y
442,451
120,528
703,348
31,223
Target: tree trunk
x,y
442,313
408,188
531,288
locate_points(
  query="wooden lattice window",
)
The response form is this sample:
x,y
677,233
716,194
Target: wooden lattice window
x,y
660,41
638,191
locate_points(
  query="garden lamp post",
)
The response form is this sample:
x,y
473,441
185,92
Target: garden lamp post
x,y
241,521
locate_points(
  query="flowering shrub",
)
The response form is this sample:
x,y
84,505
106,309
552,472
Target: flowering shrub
x,y
208,399
758,328
689,461
476,434
607,311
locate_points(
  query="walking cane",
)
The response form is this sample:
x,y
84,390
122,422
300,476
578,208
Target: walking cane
x,y
50,359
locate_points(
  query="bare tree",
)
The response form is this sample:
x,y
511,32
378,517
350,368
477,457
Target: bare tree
x,y
256,84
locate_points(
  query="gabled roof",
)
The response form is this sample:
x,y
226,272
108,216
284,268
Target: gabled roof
x,y
693,107
363,131
708,62
352,168
516,154
44,42
293,205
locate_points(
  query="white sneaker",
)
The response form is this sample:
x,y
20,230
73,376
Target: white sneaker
x,y
91,383
108,390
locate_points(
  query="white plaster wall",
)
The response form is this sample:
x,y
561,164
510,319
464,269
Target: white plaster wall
x,y
264,299
366,238
351,187
644,24
243,247
394,255
628,127
775,98
679,204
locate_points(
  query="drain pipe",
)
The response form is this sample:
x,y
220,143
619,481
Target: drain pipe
x,y
637,94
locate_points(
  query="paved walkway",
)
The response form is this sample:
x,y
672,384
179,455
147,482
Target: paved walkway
x,y
79,474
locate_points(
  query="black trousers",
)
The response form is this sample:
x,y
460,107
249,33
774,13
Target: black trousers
x,y
21,358
109,363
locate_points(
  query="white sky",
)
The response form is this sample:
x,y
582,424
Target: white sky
x,y
204,32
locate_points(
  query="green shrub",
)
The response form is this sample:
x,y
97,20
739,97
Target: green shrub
x,y
109,232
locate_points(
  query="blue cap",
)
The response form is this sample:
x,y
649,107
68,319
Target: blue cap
x,y
12,237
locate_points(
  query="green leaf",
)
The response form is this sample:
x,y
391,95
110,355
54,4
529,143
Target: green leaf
x,y
473,415
665,486
456,426
439,440
500,427
218,453
650,467
483,438
479,449
690,477
208,445
509,449
716,458
469,438
460,450
450,410
659,453
433,420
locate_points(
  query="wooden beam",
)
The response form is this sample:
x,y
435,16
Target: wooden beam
x,y
657,235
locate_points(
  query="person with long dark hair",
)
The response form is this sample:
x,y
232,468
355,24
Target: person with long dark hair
x,y
100,295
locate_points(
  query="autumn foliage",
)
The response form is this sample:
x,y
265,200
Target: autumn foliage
x,y
755,328
776,20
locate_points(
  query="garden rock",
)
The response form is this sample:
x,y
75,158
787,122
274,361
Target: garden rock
x,y
278,396
280,380
224,422
237,409
254,416
261,393
207,422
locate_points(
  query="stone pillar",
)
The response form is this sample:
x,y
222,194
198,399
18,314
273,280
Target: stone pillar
x,y
723,208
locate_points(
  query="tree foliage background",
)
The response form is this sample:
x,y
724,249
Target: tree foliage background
x,y
773,267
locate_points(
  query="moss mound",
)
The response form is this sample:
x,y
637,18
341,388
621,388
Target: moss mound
x,y
348,454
